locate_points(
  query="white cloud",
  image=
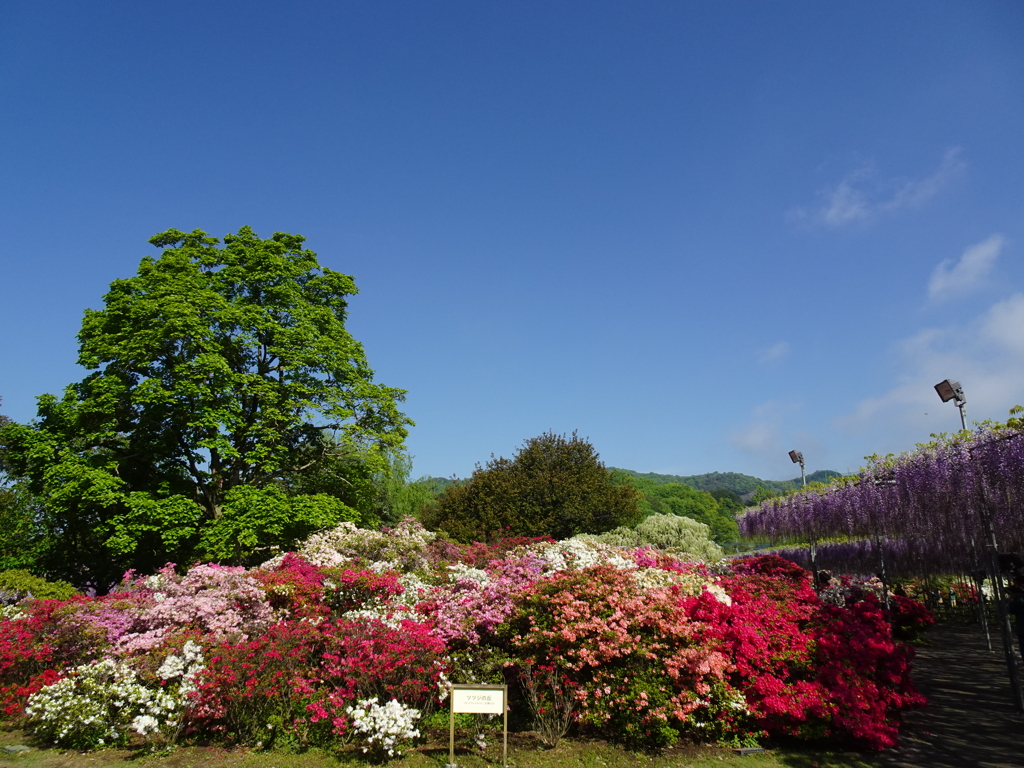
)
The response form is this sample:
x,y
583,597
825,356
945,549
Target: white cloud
x,y
949,281
774,352
1004,324
762,436
986,355
862,196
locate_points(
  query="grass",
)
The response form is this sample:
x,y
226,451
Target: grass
x,y
524,752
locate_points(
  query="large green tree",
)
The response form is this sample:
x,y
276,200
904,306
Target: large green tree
x,y
224,387
554,486
18,544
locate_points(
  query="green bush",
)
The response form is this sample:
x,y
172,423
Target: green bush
x,y
555,486
19,584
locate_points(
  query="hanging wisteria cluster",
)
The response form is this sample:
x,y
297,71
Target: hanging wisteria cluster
x,y
941,508
903,558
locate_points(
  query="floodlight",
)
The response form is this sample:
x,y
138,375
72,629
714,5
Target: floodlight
x,y
950,390
797,457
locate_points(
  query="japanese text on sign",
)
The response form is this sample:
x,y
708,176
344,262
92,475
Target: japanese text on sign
x,y
478,701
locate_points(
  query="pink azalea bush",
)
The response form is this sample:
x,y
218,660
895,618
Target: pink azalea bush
x,y
628,654
626,644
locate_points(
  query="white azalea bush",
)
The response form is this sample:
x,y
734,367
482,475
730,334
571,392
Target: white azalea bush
x,y
384,727
402,548
104,702
98,704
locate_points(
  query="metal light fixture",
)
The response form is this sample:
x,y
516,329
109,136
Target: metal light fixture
x,y
797,457
951,390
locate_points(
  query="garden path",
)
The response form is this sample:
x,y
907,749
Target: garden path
x,y
969,721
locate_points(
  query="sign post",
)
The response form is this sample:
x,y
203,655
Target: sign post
x,y
478,699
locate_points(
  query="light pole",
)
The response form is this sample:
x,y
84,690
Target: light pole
x,y
951,390
798,458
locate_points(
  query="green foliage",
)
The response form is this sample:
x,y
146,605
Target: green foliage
x,y
214,369
728,502
24,583
735,482
682,535
682,500
554,487
402,497
678,499
762,495
260,522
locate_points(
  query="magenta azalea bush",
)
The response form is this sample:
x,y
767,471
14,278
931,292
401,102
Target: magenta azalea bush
x,y
355,637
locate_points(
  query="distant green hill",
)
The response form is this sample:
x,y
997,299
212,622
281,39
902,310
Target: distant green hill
x,y
731,481
440,483
742,485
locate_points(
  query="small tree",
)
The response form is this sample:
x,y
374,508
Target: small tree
x,y
554,487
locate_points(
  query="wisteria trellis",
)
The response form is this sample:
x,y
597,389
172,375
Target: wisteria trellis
x,y
949,507
936,500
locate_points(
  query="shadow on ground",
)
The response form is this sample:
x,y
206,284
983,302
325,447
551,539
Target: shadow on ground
x,y
970,721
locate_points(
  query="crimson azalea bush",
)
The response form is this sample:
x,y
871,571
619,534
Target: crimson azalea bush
x,y
630,645
909,618
26,663
863,673
806,668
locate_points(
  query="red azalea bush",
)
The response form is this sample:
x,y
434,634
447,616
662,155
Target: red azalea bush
x,y
910,619
806,668
250,688
863,673
300,676
26,663
35,646
764,632
303,590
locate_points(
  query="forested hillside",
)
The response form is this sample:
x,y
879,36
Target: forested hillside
x,y
731,481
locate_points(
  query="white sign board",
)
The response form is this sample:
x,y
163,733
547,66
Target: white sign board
x,y
490,701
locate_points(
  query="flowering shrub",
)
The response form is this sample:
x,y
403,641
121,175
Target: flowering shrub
x,y
218,601
403,547
301,676
384,727
356,636
909,619
298,589
807,668
763,632
474,603
864,675
480,554
639,676
99,703
26,662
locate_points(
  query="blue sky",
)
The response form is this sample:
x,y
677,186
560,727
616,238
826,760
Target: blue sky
x,y
700,233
